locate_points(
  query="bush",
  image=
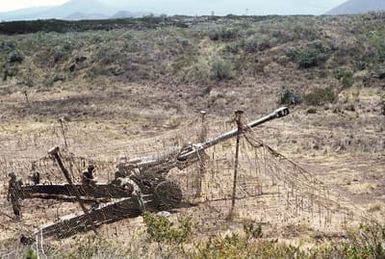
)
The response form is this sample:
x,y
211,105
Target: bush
x,y
320,96
162,230
60,54
107,55
183,42
7,46
30,254
236,246
221,70
366,242
15,57
289,97
223,34
199,72
255,43
345,76
377,42
310,56
252,230
305,31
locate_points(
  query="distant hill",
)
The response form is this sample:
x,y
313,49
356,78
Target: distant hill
x,y
23,14
79,6
358,7
123,14
85,16
72,10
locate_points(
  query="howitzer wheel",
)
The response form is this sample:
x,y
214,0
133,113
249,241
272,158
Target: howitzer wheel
x,y
167,195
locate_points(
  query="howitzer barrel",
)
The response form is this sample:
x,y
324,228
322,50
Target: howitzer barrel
x,y
279,113
192,150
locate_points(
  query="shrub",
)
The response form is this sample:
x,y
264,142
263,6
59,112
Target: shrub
x,y
198,72
60,54
162,230
345,76
304,31
252,230
107,55
377,42
310,56
228,246
15,57
235,246
128,36
289,97
223,33
233,47
30,254
255,43
221,70
366,242
320,96
7,46
382,105
183,41
151,20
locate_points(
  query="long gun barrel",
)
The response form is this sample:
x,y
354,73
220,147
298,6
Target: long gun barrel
x,y
191,151
279,113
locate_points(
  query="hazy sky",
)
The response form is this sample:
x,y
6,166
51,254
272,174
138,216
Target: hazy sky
x,y
199,6
9,5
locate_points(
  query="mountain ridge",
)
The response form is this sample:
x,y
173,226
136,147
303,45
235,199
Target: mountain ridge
x,y
71,10
358,7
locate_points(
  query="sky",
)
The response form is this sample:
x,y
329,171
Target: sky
x,y
10,5
198,6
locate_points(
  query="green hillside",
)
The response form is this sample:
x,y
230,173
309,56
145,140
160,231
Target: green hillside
x,y
335,52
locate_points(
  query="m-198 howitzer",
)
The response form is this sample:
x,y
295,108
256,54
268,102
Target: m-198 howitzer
x,y
139,184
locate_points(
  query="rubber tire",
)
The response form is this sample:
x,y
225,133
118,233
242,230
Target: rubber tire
x,y
167,195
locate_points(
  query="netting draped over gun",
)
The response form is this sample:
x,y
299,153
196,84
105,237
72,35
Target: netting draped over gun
x,y
139,184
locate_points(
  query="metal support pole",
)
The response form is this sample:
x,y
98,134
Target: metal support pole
x,y
54,152
26,98
63,132
202,166
238,120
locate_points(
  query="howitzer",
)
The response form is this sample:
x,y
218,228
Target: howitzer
x,y
138,184
147,172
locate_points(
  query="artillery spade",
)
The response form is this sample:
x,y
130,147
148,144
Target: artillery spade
x,y
54,152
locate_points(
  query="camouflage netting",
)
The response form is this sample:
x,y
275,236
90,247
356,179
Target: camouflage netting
x,y
270,188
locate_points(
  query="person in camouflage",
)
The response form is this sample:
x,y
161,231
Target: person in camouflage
x,y
14,194
88,175
35,177
125,180
6,71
